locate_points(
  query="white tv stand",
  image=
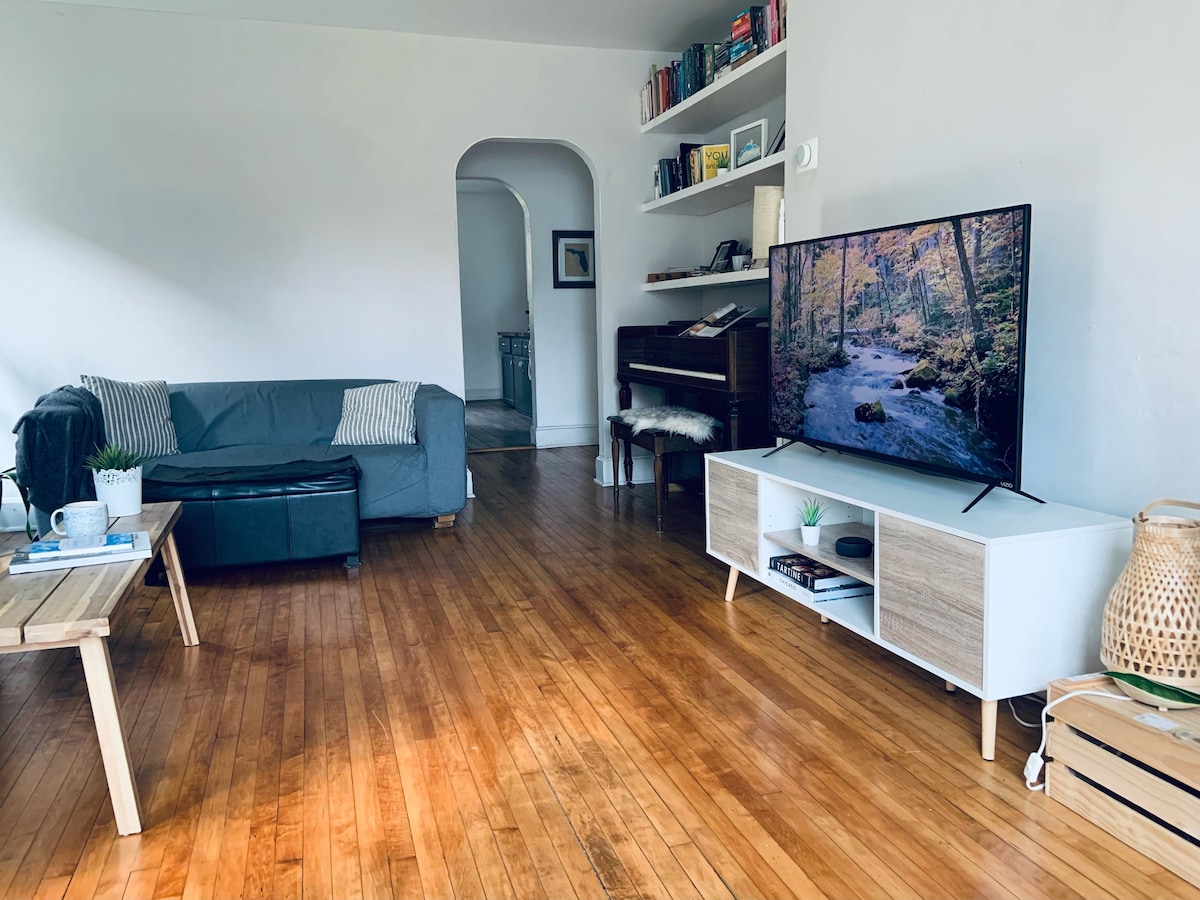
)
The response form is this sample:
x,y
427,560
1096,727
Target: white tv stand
x,y
998,601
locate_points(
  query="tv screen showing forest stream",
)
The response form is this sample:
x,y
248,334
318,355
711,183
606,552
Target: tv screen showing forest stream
x,y
906,343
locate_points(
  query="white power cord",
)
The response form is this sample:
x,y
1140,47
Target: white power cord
x,y
1019,720
1033,765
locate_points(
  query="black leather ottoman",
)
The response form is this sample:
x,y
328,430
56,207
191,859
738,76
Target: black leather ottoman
x,y
254,514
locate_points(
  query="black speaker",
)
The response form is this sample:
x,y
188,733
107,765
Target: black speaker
x,y
852,546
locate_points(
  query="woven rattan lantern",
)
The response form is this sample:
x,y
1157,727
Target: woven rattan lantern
x,y
1152,617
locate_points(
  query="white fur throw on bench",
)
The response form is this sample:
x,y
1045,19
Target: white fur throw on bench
x,y
673,419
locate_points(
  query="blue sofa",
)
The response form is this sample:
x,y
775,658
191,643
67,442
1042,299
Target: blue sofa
x,y
258,423
260,480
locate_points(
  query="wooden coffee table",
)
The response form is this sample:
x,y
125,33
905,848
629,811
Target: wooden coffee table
x,y
73,608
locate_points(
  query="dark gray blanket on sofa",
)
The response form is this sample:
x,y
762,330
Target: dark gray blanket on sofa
x,y
64,427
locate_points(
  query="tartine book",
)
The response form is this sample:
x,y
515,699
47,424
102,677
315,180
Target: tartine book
x,y
23,561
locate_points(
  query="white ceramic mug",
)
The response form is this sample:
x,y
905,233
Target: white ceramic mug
x,y
83,518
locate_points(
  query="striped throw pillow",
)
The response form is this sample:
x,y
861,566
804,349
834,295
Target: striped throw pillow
x,y
379,414
137,415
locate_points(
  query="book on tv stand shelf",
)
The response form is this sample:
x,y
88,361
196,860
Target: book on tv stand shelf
x,y
21,562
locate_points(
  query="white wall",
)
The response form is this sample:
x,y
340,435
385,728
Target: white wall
x,y
1087,110
191,198
491,263
554,183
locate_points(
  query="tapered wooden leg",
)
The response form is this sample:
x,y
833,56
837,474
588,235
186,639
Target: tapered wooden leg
x,y
987,717
102,691
731,585
183,606
629,463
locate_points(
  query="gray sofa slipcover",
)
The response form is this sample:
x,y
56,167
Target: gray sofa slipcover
x,y
257,423
224,425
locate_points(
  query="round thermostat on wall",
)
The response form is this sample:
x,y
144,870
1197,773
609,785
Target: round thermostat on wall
x,y
852,546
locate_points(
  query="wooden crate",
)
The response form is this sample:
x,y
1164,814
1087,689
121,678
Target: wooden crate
x,y
1129,768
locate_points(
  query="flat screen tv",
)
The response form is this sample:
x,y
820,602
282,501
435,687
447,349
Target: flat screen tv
x,y
906,344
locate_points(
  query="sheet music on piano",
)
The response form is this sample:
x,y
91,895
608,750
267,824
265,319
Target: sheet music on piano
x,y
717,321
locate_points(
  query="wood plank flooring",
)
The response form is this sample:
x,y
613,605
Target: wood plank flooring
x,y
494,425
545,701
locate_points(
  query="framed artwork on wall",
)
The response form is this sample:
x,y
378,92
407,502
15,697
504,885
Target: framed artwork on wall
x,y
574,259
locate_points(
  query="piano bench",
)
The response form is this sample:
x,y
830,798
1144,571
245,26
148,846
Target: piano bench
x,y
660,443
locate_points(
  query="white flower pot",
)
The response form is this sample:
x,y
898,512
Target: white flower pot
x,y
810,535
121,489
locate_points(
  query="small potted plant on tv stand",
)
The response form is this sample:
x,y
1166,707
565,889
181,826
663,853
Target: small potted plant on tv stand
x,y
811,514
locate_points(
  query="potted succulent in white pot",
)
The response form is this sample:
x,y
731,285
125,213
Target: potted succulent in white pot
x,y
811,514
117,474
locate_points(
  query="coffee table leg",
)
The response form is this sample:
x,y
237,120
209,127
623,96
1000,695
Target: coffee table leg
x,y
183,606
102,691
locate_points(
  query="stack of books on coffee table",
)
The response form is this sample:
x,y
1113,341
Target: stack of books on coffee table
x,y
67,553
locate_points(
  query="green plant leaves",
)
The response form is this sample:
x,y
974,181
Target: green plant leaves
x,y
811,512
1165,691
112,457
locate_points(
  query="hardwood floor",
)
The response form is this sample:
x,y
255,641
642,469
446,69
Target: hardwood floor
x,y
494,425
545,701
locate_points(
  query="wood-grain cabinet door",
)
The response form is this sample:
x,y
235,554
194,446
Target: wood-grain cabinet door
x,y
931,596
733,515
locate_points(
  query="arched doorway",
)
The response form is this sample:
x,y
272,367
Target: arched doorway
x,y
555,188
494,290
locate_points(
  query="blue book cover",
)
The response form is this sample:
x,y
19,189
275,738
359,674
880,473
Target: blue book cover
x,y
100,543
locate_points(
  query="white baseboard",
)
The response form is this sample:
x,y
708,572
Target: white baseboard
x,y
484,394
565,436
12,511
643,470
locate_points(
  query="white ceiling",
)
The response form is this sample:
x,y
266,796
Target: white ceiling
x,y
668,25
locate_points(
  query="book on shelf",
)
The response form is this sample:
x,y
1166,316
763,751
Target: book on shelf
x,y
822,581
717,321
752,31
812,574
744,58
715,155
741,25
22,563
80,546
843,593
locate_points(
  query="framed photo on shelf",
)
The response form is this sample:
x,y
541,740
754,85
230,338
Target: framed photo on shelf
x,y
748,143
574,259
722,260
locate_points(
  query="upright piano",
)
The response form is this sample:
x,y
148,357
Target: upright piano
x,y
725,376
